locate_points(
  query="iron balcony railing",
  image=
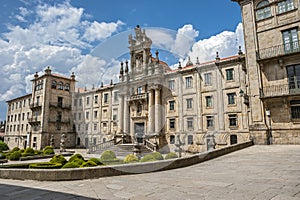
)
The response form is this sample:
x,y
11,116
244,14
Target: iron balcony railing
x,y
279,50
138,96
279,90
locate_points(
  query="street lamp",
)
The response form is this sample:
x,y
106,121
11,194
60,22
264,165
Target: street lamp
x,y
269,134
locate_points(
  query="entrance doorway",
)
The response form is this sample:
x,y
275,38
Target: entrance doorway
x,y
233,139
139,131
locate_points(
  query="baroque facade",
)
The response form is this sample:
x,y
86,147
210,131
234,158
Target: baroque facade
x,y
197,106
271,32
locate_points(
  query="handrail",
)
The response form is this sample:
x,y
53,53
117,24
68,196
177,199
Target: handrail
x,y
279,50
101,146
149,145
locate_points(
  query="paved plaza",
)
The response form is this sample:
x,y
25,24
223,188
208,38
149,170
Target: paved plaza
x,y
258,172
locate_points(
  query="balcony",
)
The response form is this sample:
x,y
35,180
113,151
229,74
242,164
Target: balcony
x,y
35,105
279,90
34,120
138,96
60,105
58,120
279,50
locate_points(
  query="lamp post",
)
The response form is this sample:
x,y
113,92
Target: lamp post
x,y
269,134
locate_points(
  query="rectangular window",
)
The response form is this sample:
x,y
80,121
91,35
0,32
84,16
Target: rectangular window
x,y
95,114
232,120
172,139
59,102
172,123
78,127
190,139
104,113
207,78
96,99
75,102
79,116
95,127
293,73
189,103
231,98
171,105
189,82
229,74
208,101
24,103
290,40
116,96
115,114
87,100
80,102
23,116
87,115
263,11
209,121
285,6
295,109
139,90
86,127
190,123
172,85
74,116
105,98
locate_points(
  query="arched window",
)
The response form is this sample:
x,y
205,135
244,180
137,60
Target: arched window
x,y
67,87
53,85
263,10
60,86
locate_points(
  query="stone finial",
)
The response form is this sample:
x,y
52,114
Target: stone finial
x,y
48,70
197,61
126,67
101,84
240,52
217,56
85,89
179,67
157,58
111,82
36,75
73,76
93,87
121,69
189,62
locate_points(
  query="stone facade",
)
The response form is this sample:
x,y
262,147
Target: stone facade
x,y
271,31
32,119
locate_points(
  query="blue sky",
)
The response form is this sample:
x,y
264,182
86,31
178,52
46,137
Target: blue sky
x,y
72,35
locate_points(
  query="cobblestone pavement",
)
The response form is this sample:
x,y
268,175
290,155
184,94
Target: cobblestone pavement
x,y
258,172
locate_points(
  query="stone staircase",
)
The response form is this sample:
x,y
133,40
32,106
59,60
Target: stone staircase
x,y
122,150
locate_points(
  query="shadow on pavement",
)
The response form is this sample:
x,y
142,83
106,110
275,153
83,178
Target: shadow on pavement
x,y
9,192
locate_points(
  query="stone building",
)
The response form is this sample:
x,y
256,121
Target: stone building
x,y
271,32
34,118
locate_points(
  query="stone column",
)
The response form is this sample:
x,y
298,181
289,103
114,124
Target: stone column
x,y
121,114
157,111
151,112
126,117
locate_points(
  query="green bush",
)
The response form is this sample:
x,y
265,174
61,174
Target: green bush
x,y
58,159
47,147
148,158
3,146
107,156
48,151
89,163
26,154
131,158
29,150
78,161
38,152
45,165
2,155
21,151
18,166
96,160
157,156
15,155
75,157
171,155
15,149
71,165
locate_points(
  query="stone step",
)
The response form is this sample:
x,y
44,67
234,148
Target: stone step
x,y
122,150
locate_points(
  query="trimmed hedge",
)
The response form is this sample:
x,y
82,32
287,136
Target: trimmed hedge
x,y
58,159
15,149
108,155
71,165
15,155
3,146
131,159
45,165
2,155
18,166
157,156
48,151
148,158
89,163
75,157
171,155
29,151
95,160
78,161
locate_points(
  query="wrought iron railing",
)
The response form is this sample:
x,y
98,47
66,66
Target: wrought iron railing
x,y
279,50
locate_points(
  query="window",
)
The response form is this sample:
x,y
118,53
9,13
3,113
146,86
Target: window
x,y
231,98
23,116
78,127
293,73
96,99
190,139
139,90
86,127
75,102
229,74
24,103
172,139
60,86
207,78
263,10
87,115
67,87
209,121
79,116
74,116
172,85
87,100
189,82
58,116
172,123
58,126
189,103
295,109
95,114
105,98
232,120
290,40
171,105
115,114
104,113
208,101
80,102
190,123
95,127
285,6
116,96
59,102
139,108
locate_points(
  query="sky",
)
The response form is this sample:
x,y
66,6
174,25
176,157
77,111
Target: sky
x,y
90,37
